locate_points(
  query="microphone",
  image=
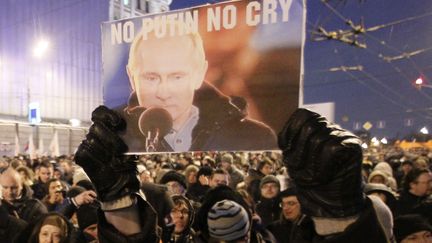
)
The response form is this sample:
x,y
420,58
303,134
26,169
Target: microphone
x,y
154,123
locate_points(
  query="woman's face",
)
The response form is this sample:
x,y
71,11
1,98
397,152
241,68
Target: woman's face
x,y
50,234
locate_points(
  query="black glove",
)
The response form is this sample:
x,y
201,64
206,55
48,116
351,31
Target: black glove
x,y
325,162
102,157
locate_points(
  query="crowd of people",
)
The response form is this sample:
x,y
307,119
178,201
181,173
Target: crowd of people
x,y
211,197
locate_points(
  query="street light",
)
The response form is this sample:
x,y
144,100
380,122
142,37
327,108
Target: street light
x,y
384,141
40,48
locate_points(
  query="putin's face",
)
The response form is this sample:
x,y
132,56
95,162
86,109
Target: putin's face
x,y
166,74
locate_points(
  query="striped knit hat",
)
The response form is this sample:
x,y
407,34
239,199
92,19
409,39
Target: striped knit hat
x,y
227,220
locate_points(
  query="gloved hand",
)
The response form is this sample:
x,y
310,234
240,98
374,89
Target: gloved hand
x,y
325,162
102,157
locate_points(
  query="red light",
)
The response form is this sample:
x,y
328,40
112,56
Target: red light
x,y
419,81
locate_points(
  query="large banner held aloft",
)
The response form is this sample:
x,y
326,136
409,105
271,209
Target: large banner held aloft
x,y
221,77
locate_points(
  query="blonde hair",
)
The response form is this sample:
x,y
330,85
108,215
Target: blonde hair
x,y
183,31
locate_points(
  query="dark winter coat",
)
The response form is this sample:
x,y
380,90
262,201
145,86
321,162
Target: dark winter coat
x,y
221,126
269,210
10,226
27,207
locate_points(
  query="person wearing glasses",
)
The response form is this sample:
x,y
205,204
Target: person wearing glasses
x,y
182,216
291,217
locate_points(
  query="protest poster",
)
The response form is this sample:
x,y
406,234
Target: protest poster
x,y
220,77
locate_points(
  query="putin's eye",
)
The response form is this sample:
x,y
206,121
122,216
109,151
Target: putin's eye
x,y
150,78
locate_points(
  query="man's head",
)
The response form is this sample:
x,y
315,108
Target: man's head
x,y
265,166
269,187
228,221
226,161
417,182
10,181
46,171
290,205
412,228
165,72
175,182
219,177
87,220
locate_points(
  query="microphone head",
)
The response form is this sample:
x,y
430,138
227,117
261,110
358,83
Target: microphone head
x,y
155,119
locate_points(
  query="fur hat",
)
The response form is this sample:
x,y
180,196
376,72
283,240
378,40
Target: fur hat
x,y
228,220
174,176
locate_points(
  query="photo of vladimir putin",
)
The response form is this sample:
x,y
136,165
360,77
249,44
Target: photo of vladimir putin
x,y
167,73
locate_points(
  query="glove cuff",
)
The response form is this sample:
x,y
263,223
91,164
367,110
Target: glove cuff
x,y
121,203
330,226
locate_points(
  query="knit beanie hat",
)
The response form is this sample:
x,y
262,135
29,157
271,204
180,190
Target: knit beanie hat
x,y
269,179
409,224
87,215
227,220
174,176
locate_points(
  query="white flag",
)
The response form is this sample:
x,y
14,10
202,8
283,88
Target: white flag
x,y
41,147
54,147
31,147
17,145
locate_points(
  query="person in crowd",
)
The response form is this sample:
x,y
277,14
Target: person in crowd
x,y
378,177
144,174
10,226
236,176
182,216
18,198
208,161
45,172
384,193
175,182
264,167
219,177
202,118
26,175
190,173
87,221
55,200
406,166
197,191
68,170
268,207
287,227
225,217
415,190
412,228
385,168
49,228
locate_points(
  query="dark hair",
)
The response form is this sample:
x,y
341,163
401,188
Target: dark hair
x,y
264,162
412,176
46,164
219,171
48,183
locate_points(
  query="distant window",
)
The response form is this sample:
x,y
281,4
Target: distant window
x,y
126,2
